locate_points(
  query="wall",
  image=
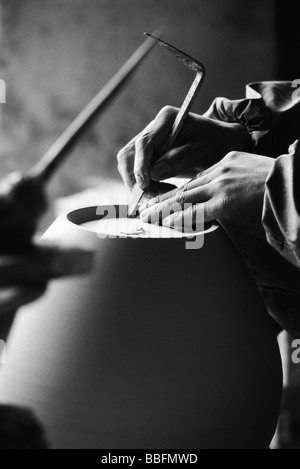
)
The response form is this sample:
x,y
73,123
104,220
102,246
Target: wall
x,y
55,56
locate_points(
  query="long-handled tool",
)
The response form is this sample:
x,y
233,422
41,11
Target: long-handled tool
x,y
56,154
196,66
22,199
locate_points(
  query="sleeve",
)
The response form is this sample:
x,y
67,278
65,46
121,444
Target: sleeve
x,y
251,113
281,213
271,114
271,248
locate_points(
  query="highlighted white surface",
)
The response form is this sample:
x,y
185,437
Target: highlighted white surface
x,y
133,227
130,227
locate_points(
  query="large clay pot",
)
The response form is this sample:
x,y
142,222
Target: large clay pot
x,y
161,347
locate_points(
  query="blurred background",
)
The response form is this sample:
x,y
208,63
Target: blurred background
x,y
55,55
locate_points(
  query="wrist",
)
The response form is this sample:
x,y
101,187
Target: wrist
x,y
241,139
224,138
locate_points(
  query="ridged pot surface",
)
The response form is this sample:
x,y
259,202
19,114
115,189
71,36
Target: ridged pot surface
x,y
160,347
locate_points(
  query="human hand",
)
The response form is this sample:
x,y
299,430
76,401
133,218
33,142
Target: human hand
x,y
201,143
232,189
22,203
21,429
24,277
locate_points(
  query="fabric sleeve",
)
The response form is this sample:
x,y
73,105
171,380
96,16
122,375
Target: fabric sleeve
x,y
281,213
271,247
271,115
251,113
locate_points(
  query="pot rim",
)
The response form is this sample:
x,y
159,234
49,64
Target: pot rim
x,y
92,213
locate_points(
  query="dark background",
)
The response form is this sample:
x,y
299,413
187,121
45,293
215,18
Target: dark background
x,y
287,40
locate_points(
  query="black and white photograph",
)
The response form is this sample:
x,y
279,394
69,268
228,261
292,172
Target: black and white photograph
x,y
149,227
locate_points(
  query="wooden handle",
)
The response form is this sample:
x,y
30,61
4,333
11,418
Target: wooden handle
x,y
57,153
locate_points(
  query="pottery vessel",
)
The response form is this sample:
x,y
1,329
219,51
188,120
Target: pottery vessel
x,y
160,347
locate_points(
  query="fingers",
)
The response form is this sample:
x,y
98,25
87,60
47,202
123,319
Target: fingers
x,y
44,263
197,200
125,164
192,219
162,198
13,298
188,220
176,203
144,151
136,158
201,179
126,159
188,216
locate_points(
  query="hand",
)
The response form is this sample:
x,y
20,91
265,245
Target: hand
x,y
20,429
24,277
232,189
201,143
22,203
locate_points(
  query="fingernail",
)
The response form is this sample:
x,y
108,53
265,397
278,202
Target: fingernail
x,y
160,170
71,262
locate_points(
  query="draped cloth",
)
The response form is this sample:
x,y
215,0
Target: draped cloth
x,y
271,247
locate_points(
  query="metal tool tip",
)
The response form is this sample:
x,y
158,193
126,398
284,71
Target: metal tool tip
x,y
155,33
